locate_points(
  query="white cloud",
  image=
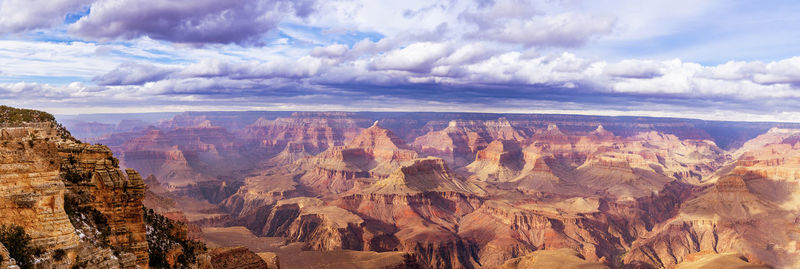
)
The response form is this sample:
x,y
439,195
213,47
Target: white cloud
x,y
561,30
633,69
784,71
330,51
417,57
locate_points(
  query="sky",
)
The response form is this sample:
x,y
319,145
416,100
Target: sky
x,y
717,60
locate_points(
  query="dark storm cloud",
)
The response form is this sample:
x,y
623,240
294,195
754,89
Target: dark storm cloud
x,y
188,21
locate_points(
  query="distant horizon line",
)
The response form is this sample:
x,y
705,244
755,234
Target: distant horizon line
x,y
550,113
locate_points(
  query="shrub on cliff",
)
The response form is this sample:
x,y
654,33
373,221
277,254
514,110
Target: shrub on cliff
x,y
163,235
75,205
19,245
10,115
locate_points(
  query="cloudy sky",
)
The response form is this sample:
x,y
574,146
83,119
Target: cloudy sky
x,y
734,60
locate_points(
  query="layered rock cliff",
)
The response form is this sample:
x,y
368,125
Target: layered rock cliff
x,y
316,132
374,153
421,204
461,140
31,188
72,198
95,181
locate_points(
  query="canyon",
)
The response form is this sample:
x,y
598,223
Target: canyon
x,y
403,190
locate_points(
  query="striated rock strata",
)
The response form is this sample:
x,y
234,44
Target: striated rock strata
x,y
91,171
31,190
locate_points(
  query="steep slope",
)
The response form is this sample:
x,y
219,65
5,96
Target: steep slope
x,y
156,154
727,218
93,175
502,231
263,190
320,226
422,176
458,143
752,209
374,153
31,189
42,200
501,160
421,203
90,212
315,131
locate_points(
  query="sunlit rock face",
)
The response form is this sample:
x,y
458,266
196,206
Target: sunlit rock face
x,y
461,140
316,131
31,189
116,195
746,210
42,166
374,153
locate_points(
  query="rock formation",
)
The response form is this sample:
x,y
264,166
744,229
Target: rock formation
x,y
316,132
236,257
31,189
502,161
461,140
374,153
93,173
71,198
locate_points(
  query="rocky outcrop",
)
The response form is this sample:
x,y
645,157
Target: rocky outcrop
x,y
335,170
263,190
68,188
31,190
598,162
725,218
271,259
236,257
169,245
293,152
428,175
320,226
504,231
501,161
421,204
315,131
461,140
92,172
375,153
387,151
